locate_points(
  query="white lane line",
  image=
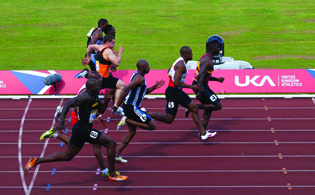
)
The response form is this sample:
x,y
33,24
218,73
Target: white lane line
x,y
213,156
160,187
179,130
225,108
20,147
189,119
178,171
41,155
173,143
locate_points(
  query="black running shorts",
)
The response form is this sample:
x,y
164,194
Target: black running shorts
x,y
207,95
81,133
134,113
109,82
175,96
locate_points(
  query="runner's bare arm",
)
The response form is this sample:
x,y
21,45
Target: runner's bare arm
x,y
180,69
205,65
138,80
97,35
83,99
111,56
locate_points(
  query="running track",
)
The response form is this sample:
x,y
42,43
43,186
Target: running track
x,y
263,146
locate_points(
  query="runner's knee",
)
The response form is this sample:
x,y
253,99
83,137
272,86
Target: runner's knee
x,y
152,126
120,84
68,157
218,106
193,107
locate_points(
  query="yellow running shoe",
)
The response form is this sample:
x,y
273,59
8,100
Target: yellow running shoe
x,y
121,123
48,134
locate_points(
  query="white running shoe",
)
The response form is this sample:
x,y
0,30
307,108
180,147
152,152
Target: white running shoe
x,y
119,111
207,135
121,123
81,74
120,159
57,113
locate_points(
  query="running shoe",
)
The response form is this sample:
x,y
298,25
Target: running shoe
x,y
207,135
187,111
118,178
121,123
105,172
119,111
57,113
48,134
30,164
120,159
81,74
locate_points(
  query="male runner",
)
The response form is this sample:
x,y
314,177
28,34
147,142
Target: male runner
x,y
209,100
175,95
105,59
89,104
134,116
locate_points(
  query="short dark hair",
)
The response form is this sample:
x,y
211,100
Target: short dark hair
x,y
184,50
108,28
102,21
108,38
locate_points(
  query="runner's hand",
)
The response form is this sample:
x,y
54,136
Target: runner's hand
x,y
197,88
159,84
60,127
85,61
221,79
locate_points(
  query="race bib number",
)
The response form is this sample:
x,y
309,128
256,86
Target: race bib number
x,y
92,116
171,105
97,66
93,134
213,98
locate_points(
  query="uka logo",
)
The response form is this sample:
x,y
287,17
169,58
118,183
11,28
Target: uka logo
x,y
254,81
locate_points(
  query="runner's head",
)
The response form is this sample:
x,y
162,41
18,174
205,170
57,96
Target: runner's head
x,y
93,86
95,75
186,53
109,41
102,23
143,66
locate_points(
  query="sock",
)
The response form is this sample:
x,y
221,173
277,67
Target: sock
x,y
124,119
105,171
55,135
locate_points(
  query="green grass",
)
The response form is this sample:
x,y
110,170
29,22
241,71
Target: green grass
x,y
51,35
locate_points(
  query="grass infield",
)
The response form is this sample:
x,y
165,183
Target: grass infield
x,y
51,35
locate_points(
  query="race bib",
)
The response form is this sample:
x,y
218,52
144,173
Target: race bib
x,y
92,116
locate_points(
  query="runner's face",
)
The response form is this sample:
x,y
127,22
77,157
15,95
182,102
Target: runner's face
x,y
189,55
147,69
216,50
112,44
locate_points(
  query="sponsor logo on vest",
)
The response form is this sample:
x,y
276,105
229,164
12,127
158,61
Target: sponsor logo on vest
x,y
249,81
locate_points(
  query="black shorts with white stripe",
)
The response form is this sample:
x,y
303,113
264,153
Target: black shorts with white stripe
x,y
134,113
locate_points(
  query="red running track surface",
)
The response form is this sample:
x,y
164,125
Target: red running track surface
x,y
263,146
